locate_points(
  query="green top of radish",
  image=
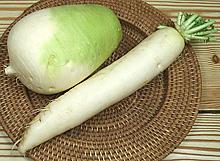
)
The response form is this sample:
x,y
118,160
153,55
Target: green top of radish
x,y
193,27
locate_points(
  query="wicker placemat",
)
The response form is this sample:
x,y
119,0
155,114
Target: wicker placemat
x,y
147,125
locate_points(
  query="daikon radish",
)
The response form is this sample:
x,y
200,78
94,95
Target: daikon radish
x,y
117,81
53,49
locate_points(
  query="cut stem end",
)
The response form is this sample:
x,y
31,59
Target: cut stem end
x,y
191,26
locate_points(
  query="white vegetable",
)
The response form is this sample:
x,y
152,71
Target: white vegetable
x,y
108,86
53,49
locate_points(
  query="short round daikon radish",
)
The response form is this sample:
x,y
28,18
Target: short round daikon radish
x,y
53,49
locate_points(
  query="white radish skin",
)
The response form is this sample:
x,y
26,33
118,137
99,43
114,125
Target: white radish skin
x,y
18,35
110,85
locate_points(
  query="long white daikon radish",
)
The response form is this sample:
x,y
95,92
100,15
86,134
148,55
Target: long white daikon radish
x,y
115,82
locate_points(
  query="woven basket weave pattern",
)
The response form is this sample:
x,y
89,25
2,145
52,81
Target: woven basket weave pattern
x,y
147,125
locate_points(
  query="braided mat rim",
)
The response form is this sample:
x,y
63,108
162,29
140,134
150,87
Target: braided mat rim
x,y
147,125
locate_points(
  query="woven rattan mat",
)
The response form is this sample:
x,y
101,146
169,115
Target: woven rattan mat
x,y
147,125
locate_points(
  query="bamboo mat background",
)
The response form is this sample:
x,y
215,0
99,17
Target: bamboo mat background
x,y
203,141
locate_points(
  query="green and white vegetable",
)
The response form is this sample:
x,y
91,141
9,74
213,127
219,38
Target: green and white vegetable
x,y
117,81
53,49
